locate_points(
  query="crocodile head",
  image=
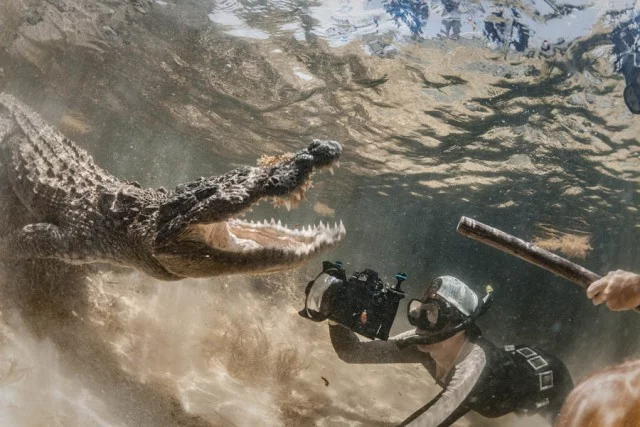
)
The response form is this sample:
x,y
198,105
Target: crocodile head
x,y
200,232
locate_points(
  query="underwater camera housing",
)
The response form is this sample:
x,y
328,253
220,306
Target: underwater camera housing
x,y
361,302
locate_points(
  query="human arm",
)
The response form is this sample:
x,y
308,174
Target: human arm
x,y
351,349
619,289
449,406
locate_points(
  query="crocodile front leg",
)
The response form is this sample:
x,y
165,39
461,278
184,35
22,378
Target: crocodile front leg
x,y
41,240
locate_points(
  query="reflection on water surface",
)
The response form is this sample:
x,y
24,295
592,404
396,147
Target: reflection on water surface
x,y
510,112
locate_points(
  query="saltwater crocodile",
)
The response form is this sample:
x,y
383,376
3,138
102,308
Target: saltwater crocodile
x,y
83,214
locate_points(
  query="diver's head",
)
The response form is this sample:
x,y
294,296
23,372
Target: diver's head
x,y
446,308
631,92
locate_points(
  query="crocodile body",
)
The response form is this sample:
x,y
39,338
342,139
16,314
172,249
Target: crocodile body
x,y
83,214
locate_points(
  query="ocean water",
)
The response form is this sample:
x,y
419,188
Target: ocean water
x,y
442,111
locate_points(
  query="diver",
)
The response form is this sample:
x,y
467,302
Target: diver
x,y
626,48
475,374
630,69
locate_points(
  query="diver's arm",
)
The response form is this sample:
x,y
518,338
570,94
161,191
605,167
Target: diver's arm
x,y
449,405
351,350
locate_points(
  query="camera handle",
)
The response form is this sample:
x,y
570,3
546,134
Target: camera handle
x,y
400,277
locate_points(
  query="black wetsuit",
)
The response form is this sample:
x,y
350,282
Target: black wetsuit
x,y
489,380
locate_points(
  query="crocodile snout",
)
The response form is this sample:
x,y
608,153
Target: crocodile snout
x,y
324,152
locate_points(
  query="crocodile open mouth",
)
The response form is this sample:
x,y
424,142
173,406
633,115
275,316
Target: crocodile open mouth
x,y
242,235
238,235
237,244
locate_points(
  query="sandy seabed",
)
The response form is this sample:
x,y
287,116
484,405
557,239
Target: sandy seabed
x,y
223,352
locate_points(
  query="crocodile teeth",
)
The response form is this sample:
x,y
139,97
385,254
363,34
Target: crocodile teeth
x,y
306,239
331,170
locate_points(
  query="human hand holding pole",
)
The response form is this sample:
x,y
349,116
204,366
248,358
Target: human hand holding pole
x,y
619,289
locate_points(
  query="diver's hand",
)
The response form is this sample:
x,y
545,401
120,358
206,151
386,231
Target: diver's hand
x,y
619,289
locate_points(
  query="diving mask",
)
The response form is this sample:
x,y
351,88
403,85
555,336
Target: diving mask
x,y
430,314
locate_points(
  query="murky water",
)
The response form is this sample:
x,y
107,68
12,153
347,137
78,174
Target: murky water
x,y
478,111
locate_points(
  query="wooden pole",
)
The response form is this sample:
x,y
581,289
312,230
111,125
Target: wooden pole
x,y
526,251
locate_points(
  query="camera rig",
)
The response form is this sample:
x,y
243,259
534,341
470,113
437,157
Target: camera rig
x,y
361,302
